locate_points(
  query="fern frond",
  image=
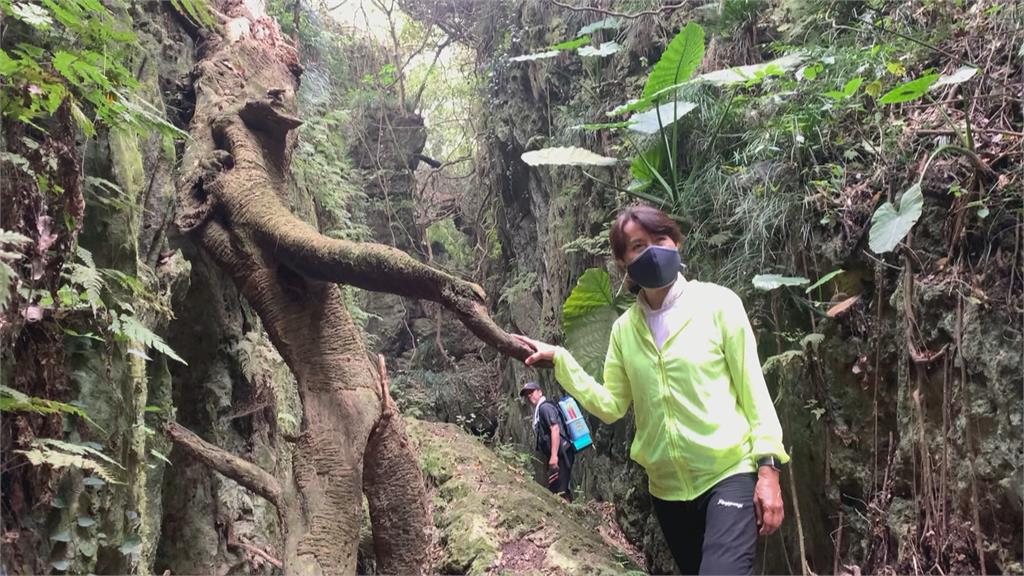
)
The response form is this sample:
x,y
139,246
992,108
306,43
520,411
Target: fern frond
x,y
8,237
76,449
12,400
55,458
87,276
130,328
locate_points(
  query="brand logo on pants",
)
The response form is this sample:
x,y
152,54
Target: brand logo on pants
x,y
731,504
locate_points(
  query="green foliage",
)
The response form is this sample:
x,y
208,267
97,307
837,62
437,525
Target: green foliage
x,y
890,225
681,58
321,166
129,329
848,89
909,90
587,318
821,281
59,454
74,52
197,12
8,277
458,251
12,400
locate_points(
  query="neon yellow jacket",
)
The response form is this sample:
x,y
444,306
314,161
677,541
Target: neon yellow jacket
x,y
702,408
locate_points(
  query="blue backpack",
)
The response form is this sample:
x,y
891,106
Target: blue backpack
x,y
572,417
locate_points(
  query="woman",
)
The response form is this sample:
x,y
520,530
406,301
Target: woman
x,y
706,431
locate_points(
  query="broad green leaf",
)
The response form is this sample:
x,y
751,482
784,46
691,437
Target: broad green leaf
x,y
653,161
571,44
962,74
850,87
824,279
587,318
536,56
909,90
611,23
593,290
772,281
566,156
652,121
889,226
680,60
606,49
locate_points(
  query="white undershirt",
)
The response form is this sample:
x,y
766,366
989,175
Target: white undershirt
x,y
536,411
663,320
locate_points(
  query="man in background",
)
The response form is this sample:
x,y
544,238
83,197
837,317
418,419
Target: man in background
x,y
552,439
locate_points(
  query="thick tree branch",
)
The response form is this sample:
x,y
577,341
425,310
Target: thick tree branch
x,y
245,473
301,248
383,268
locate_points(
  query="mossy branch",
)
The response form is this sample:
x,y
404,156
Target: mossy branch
x,y
245,473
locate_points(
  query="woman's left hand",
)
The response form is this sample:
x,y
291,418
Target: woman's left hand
x,y
768,500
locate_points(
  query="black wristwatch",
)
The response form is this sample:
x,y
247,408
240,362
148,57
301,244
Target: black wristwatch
x,y
769,461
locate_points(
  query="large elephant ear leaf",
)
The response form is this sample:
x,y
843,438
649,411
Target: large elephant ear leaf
x,y
679,61
587,317
889,226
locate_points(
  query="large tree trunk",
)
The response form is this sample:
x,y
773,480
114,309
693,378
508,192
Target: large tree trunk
x,y
232,193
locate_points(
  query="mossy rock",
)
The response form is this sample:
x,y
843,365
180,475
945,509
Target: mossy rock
x,y
493,520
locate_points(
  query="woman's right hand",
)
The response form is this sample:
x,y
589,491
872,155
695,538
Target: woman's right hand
x,y
541,350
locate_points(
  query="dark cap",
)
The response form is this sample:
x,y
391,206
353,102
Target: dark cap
x,y
529,387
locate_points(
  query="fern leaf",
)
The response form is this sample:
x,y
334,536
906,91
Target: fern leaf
x,y
132,329
87,276
76,449
8,237
57,459
12,400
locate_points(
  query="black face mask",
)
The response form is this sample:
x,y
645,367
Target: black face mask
x,y
655,267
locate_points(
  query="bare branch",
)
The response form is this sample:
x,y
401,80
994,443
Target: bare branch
x,y
245,473
628,16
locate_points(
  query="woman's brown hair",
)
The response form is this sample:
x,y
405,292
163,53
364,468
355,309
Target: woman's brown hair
x,y
651,219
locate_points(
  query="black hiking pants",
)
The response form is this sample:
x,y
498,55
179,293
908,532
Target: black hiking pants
x,y
561,484
716,533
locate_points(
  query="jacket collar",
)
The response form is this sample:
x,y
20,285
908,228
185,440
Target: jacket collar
x,y
639,319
